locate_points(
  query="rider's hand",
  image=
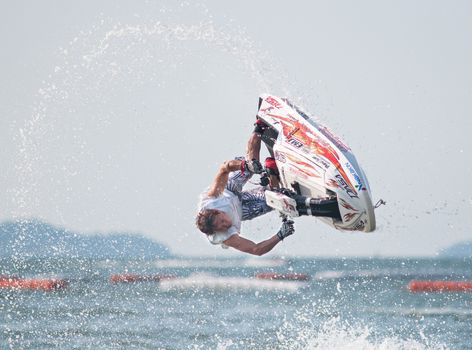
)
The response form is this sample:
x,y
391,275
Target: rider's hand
x,y
252,166
286,229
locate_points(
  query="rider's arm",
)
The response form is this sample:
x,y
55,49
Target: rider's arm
x,y
221,178
247,246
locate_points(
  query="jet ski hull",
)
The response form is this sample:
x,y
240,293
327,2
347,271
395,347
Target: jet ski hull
x,y
314,162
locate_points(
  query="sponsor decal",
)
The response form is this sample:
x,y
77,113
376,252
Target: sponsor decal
x,y
351,193
295,143
360,225
272,101
358,185
321,161
280,157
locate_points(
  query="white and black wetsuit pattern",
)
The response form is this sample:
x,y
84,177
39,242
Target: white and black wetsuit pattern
x,y
253,201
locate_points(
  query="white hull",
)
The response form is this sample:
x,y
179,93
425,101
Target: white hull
x,y
314,162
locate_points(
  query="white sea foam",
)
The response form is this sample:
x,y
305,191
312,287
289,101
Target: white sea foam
x,y
378,273
337,335
215,263
425,311
207,281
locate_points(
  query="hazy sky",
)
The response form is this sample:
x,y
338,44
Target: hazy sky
x,y
116,114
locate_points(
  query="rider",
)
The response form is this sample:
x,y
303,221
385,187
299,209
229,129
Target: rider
x,y
225,204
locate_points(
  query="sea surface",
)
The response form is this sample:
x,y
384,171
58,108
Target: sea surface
x,y
220,304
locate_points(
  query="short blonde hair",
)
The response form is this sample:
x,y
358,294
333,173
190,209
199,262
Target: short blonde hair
x,y
205,219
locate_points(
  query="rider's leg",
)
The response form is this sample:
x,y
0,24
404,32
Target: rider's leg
x,y
238,179
327,207
271,168
254,144
254,203
319,207
253,147
274,181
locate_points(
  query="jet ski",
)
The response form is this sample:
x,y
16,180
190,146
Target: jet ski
x,y
319,174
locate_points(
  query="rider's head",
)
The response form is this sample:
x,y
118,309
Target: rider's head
x,y
210,221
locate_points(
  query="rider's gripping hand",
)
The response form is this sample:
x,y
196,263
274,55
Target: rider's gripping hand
x,y
252,166
286,229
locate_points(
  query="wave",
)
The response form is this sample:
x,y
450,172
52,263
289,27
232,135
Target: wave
x,y
207,281
425,311
215,263
392,272
339,274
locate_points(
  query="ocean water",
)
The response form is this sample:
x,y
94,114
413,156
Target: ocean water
x,y
219,304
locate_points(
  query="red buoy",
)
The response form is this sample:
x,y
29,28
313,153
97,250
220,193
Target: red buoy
x,y
440,286
33,283
283,276
133,278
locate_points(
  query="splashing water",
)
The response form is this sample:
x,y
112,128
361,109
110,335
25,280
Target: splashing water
x,y
99,73
335,334
326,324
110,62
